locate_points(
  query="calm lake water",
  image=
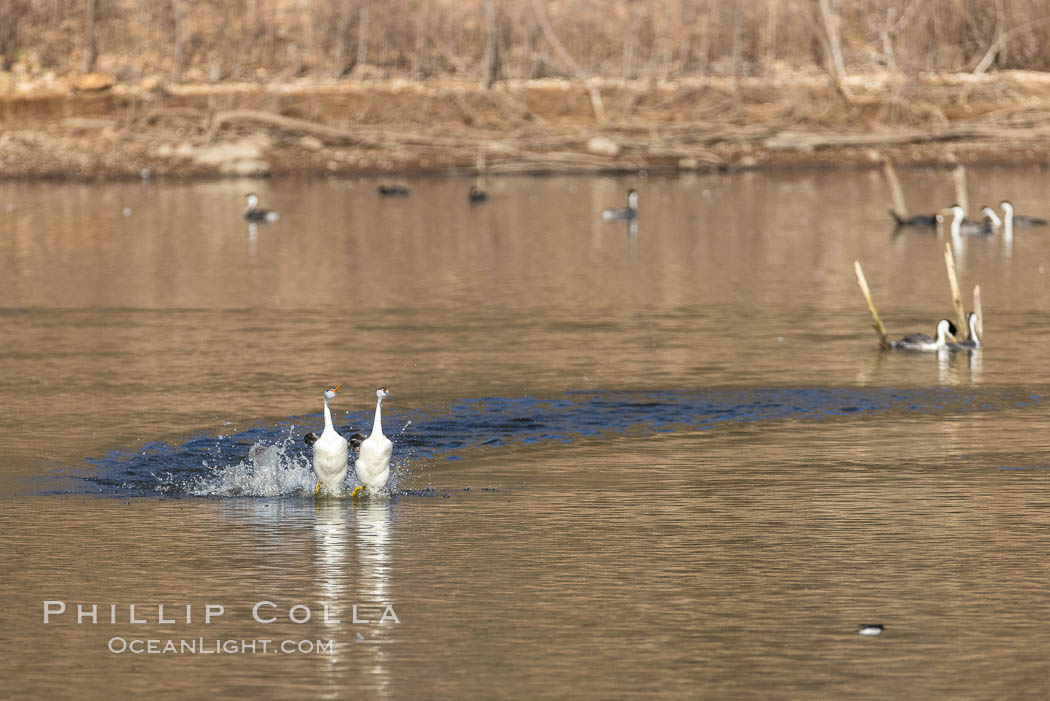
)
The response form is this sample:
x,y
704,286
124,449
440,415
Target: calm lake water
x,y
668,461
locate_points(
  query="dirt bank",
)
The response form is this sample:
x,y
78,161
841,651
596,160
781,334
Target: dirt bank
x,y
95,128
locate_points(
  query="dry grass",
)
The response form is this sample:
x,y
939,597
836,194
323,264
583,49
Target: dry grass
x,y
222,40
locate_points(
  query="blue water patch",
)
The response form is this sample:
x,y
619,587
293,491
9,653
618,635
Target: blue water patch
x,y
274,461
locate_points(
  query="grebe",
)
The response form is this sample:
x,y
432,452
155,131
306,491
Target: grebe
x,y
991,217
254,213
392,190
871,629
918,221
477,196
330,452
922,342
1018,219
630,212
973,342
373,459
961,225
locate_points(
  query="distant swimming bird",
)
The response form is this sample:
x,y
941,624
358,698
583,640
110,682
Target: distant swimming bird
x,y
477,196
373,459
392,190
922,342
991,217
330,452
972,342
1013,219
962,225
254,213
630,212
918,221
871,629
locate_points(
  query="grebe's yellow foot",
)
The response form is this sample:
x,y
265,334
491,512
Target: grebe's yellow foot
x,y
357,489
317,488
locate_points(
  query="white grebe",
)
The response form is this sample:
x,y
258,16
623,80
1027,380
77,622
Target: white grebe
x,y
630,212
922,342
973,342
373,459
254,213
330,452
961,225
871,629
1018,219
477,196
918,221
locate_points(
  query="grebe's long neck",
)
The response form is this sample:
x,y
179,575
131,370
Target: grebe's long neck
x,y
327,417
957,218
973,331
377,425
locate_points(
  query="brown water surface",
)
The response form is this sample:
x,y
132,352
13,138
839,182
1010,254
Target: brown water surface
x,y
690,470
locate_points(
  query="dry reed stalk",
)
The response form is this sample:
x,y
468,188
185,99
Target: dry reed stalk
x,y
884,342
953,281
959,178
896,192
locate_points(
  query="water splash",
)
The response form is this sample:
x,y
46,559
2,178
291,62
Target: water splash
x,y
273,461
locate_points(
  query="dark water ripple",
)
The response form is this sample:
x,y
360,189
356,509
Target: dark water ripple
x,y
273,461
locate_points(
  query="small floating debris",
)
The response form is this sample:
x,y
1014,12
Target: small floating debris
x,y
871,629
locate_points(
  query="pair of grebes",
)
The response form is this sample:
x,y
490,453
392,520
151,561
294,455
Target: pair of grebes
x,y
332,451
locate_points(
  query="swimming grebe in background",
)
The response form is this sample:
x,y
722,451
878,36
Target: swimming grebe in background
x,y
972,342
255,213
330,452
392,190
918,221
991,217
961,225
373,459
477,196
922,342
1013,219
629,212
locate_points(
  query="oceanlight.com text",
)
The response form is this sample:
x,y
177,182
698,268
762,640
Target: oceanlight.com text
x,y
207,646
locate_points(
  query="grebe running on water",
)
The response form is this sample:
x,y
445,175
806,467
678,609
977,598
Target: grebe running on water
x,y
922,342
255,213
373,459
630,212
330,452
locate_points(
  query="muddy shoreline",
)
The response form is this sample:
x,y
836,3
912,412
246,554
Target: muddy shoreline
x,y
108,131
